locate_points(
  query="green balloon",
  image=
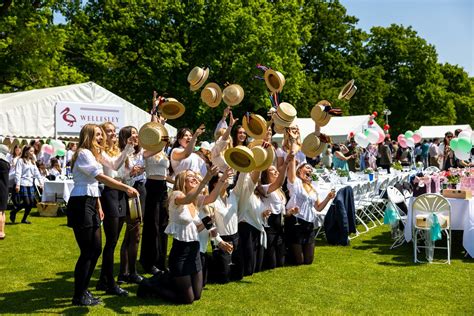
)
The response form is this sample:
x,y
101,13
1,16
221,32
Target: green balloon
x,y
408,134
366,132
454,144
464,144
60,152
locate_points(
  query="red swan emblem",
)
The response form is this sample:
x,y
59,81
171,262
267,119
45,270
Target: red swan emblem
x,y
69,118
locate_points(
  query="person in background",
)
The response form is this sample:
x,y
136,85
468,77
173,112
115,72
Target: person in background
x,y
37,155
182,156
84,210
372,154
44,172
352,155
444,150
71,149
425,149
327,158
385,155
434,153
55,168
340,159
26,173
4,184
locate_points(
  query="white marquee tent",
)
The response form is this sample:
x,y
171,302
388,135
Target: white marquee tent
x,y
338,127
31,114
439,131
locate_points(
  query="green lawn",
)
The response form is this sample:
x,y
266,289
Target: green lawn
x,y
37,262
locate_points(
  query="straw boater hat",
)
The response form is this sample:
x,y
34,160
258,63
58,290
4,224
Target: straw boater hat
x,y
284,115
312,146
171,108
348,91
211,94
240,158
255,126
153,136
233,94
274,80
263,156
197,77
319,115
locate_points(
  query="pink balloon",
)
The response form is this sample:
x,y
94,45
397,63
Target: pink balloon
x,y
417,138
400,137
381,137
47,149
402,142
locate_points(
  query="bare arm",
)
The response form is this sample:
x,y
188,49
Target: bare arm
x,y
319,206
232,121
282,175
192,195
183,154
212,197
114,184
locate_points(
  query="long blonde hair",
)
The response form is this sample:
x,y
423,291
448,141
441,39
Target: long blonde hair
x,y
87,141
180,181
112,151
286,144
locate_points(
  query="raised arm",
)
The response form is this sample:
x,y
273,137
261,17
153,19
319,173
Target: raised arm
x,y
222,123
192,195
212,197
232,121
183,154
292,169
281,176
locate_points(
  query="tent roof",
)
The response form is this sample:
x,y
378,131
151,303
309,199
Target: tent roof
x,y
31,113
439,131
338,127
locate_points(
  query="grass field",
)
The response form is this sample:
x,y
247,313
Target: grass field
x,y
37,262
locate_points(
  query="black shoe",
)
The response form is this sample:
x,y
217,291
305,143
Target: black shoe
x,y
153,270
101,285
25,221
97,299
12,216
116,290
84,300
122,278
135,278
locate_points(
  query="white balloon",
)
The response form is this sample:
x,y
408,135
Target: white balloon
x,y
373,136
465,134
462,155
361,139
410,142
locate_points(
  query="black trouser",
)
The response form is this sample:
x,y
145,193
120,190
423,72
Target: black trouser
x,y
89,241
386,167
249,238
112,228
222,270
155,220
274,255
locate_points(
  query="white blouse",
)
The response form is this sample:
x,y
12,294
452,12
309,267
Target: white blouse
x,y
304,200
138,160
112,165
217,156
204,234
226,214
86,168
274,201
193,162
182,226
157,165
25,173
300,157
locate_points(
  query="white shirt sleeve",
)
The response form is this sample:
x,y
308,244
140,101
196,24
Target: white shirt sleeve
x,y
222,124
87,163
115,163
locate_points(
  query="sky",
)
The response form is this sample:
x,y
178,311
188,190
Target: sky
x,y
446,24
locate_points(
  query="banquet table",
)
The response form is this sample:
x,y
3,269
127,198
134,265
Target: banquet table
x,y
462,218
57,190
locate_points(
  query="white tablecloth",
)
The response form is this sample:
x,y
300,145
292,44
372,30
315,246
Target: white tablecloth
x,y
462,218
57,190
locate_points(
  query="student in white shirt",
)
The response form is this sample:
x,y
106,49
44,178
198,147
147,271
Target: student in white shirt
x,y
114,205
26,173
55,169
84,209
302,208
182,155
223,142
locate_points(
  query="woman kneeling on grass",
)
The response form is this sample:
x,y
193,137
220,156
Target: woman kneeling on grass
x,y
84,211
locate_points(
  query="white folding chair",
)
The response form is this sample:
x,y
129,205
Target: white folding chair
x,y
424,208
396,197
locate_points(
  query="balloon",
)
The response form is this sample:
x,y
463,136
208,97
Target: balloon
x,y
381,137
57,144
464,144
386,127
371,123
373,136
408,134
47,149
60,152
402,142
361,139
454,144
461,155
465,134
375,113
416,138
410,142
400,137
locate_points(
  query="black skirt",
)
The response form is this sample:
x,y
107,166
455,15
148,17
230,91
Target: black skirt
x,y
184,258
302,234
4,169
82,213
114,202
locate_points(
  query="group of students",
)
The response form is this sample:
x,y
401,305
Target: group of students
x,y
252,222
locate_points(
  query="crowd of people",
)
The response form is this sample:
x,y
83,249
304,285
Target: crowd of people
x,y
255,220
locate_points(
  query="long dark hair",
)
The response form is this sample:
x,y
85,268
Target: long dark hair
x,y
235,140
179,136
124,135
24,153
